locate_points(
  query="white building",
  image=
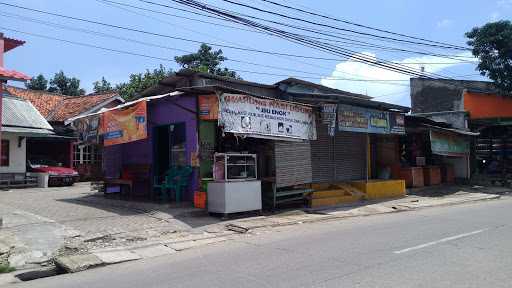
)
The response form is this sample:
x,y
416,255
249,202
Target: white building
x,y
20,120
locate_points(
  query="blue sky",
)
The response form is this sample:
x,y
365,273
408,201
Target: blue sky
x,y
445,21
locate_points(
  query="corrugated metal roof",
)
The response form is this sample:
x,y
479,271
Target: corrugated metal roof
x,y
18,112
27,131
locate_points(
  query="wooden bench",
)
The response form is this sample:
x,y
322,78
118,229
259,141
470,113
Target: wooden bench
x,y
17,180
285,194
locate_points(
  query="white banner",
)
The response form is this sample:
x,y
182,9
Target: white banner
x,y
266,118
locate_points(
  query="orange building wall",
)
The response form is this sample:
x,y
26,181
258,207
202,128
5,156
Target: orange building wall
x,y
482,106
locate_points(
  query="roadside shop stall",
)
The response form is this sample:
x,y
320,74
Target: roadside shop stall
x,y
259,145
434,153
146,140
354,154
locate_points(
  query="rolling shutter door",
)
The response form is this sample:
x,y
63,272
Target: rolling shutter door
x,y
322,156
350,156
293,163
339,158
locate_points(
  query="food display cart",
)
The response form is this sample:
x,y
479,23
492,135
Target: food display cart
x,y
236,187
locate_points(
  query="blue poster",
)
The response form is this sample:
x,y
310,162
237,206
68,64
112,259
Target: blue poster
x,y
359,119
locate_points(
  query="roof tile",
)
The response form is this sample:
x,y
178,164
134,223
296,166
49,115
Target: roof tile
x,y
13,75
57,107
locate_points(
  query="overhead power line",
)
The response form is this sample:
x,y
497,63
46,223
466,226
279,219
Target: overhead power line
x,y
169,36
385,82
180,16
173,37
346,41
343,29
327,48
360,25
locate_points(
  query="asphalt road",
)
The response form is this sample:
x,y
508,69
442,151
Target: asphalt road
x,y
457,246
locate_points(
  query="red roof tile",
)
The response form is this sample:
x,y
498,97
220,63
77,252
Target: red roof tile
x,y
75,105
57,107
10,43
12,75
44,101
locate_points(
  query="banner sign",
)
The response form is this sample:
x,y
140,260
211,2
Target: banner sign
x,y
124,125
396,123
448,144
266,118
208,107
87,128
359,119
329,117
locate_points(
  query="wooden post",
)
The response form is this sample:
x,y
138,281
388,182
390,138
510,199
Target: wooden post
x,y
368,157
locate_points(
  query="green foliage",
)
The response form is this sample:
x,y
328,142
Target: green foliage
x,y
37,83
6,268
141,81
102,86
62,84
492,44
206,60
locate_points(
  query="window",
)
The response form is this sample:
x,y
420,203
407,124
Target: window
x,y
86,154
4,159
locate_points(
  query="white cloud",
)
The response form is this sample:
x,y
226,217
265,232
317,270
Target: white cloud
x,y
387,91
444,23
495,16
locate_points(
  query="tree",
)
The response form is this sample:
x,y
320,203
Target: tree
x,y
62,84
141,81
492,44
102,86
206,60
37,83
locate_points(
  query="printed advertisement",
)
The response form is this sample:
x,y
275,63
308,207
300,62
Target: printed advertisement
x,y
396,123
329,117
87,128
359,119
208,107
448,144
266,118
124,125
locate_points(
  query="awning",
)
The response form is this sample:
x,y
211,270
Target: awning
x,y
29,132
123,105
452,130
449,144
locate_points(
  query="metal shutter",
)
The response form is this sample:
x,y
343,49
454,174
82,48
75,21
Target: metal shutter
x,y
293,163
322,155
350,156
338,158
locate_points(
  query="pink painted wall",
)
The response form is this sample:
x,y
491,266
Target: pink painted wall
x,y
1,83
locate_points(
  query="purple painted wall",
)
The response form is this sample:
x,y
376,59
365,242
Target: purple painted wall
x,y
160,112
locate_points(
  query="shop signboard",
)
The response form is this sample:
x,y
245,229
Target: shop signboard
x,y
329,117
448,144
396,123
87,128
266,118
208,107
124,125
359,119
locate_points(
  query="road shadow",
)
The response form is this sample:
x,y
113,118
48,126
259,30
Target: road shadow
x,y
445,190
182,212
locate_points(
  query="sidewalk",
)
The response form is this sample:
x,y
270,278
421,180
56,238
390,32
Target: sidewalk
x,y
79,229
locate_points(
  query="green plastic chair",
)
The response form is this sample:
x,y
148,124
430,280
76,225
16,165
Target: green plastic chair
x,y
175,179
